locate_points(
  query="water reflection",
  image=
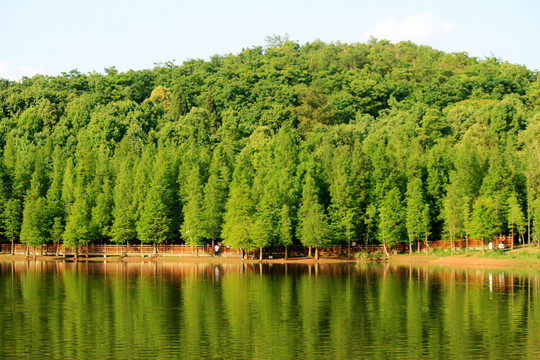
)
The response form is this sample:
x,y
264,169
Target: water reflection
x,y
248,310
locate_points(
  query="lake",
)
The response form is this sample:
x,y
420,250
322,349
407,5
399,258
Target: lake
x,y
94,310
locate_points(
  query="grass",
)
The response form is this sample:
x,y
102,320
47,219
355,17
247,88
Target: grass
x,y
369,257
448,252
527,252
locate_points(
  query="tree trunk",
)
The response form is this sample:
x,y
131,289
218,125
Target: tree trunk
x,y
384,246
467,244
260,254
286,255
317,254
528,224
410,246
309,251
12,247
483,247
27,252
34,254
426,246
76,253
512,243
197,249
155,249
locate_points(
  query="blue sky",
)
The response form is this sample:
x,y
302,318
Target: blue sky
x,y
50,37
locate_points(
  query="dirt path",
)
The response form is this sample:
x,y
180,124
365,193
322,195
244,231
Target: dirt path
x,y
471,260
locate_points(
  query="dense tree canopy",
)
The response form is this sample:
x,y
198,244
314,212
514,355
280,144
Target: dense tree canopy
x,y
318,143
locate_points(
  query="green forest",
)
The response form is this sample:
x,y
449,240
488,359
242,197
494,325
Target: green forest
x,y
313,144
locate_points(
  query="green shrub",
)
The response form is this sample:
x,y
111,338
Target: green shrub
x,y
441,252
369,257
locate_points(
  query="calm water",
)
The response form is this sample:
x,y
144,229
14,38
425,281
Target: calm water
x,y
146,310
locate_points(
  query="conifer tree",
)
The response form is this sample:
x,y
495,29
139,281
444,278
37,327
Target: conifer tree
x,y
313,227
529,139
35,223
213,116
214,206
102,197
215,191
124,212
4,198
284,169
68,185
467,212
266,218
415,214
102,212
154,224
55,204
12,221
142,179
78,231
34,228
391,216
536,220
238,221
496,186
516,219
485,222
285,229
179,103
370,221
453,212
193,228
342,211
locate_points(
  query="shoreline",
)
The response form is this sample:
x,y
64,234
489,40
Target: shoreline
x,y
179,259
473,260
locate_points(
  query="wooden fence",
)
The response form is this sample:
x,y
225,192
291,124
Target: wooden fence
x,y
274,251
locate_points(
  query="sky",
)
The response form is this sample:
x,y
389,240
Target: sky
x,y
54,36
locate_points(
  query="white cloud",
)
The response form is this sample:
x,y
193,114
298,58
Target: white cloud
x,y
417,28
8,72
4,69
30,71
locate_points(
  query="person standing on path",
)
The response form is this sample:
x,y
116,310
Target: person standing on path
x,y
216,250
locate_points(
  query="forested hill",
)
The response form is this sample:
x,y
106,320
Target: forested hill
x,y
315,144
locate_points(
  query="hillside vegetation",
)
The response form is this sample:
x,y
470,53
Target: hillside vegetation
x,y
314,144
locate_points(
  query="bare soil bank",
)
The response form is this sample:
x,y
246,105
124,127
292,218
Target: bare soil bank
x,y
474,259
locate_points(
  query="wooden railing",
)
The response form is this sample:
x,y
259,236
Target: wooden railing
x,y
278,251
